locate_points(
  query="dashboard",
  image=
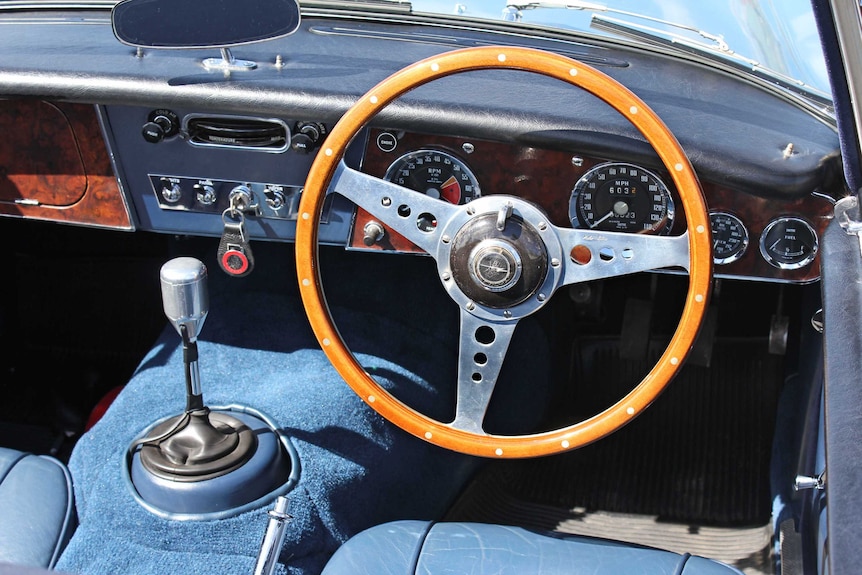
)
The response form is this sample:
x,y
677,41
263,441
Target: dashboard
x,y
183,183
146,146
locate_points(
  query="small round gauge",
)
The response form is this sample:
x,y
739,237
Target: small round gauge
x,y
435,173
617,197
788,243
729,237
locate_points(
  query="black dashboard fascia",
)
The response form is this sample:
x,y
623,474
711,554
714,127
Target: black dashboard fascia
x,y
139,162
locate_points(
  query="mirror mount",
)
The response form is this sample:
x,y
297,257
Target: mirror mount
x,y
227,63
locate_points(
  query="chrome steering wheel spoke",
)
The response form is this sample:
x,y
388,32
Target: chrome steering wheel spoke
x,y
412,214
600,255
483,346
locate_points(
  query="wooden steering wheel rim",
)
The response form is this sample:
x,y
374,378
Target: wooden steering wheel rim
x,y
618,97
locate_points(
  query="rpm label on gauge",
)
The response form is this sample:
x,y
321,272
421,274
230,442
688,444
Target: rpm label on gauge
x,y
618,197
729,237
435,173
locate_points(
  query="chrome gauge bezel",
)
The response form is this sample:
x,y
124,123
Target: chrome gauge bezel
x,y
767,254
403,160
740,249
577,219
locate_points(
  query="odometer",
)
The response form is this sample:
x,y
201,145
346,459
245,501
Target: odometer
x,y
617,197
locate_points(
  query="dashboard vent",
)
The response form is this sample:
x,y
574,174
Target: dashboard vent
x,y
266,135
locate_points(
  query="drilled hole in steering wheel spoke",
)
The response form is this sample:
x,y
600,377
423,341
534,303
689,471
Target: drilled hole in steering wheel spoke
x,y
426,222
485,335
581,255
607,254
404,211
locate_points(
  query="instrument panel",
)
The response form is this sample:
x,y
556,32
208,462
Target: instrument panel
x,y
753,237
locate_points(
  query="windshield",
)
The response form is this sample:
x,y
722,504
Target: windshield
x,y
774,37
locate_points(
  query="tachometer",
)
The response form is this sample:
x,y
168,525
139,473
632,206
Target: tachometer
x,y
435,173
617,197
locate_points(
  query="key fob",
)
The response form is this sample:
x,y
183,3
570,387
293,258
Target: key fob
x,y
234,252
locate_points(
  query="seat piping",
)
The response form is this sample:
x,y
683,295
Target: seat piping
x,y
415,567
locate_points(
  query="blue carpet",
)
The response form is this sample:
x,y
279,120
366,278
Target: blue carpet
x,y
356,469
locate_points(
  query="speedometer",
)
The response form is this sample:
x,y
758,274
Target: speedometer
x,y
435,173
618,197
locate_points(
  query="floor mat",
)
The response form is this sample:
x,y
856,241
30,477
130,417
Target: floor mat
x,y
690,474
746,548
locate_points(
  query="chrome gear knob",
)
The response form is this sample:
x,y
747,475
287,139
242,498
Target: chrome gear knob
x,y
184,294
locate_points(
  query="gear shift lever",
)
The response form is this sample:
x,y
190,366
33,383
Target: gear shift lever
x,y
186,303
196,444
203,461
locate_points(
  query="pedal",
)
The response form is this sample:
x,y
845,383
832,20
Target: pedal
x,y
701,353
635,334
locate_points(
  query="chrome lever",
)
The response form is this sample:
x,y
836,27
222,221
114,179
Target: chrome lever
x,y
273,539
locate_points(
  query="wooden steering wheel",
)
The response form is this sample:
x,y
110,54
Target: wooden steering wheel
x,y
500,259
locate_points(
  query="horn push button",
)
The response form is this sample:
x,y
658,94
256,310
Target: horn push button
x,y
498,268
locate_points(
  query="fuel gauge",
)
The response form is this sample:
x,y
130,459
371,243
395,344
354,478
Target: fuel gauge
x,y
788,243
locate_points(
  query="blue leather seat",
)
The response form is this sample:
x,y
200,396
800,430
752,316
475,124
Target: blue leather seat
x,y
421,547
37,512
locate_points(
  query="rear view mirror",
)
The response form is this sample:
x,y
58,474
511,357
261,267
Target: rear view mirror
x,y
202,23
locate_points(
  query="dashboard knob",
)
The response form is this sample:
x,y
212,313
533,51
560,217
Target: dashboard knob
x,y
171,191
372,233
307,136
205,194
160,124
153,132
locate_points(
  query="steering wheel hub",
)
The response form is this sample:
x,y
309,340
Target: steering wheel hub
x,y
498,268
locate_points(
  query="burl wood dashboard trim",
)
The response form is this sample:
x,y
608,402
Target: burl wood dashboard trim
x,y
54,165
546,177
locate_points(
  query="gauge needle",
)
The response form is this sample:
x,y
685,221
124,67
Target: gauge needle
x,y
599,221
